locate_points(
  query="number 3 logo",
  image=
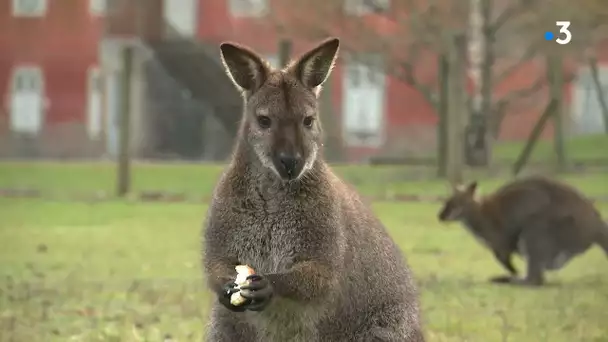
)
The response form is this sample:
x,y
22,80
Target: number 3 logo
x,y
563,28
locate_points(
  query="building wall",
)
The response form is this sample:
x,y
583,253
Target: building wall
x,y
410,119
63,44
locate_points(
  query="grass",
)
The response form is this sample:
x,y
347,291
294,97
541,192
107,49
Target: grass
x,y
581,148
112,271
198,180
127,271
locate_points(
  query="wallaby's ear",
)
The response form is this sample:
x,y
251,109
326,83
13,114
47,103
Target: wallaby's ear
x,y
472,187
458,187
313,68
247,70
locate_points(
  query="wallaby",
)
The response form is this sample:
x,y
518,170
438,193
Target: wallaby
x,y
543,220
326,268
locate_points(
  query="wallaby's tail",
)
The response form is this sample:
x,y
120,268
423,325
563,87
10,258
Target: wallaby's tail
x,y
603,238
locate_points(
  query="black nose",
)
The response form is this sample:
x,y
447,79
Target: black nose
x,y
290,162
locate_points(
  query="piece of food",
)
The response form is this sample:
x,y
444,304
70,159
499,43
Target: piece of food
x,y
243,271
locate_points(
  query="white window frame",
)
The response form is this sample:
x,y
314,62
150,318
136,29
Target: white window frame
x,y
19,10
364,70
98,8
29,69
362,7
248,8
94,80
182,16
585,100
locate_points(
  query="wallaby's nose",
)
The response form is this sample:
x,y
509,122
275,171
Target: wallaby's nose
x,y
290,162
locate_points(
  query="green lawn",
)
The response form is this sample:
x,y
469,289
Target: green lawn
x,y
126,271
580,148
198,180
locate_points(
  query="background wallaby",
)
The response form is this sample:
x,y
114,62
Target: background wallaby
x,y
543,220
326,268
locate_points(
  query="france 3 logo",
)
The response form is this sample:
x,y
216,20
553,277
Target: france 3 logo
x,y
564,37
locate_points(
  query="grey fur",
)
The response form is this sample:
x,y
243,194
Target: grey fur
x,y
335,272
547,222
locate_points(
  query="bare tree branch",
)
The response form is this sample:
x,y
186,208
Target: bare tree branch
x,y
406,73
520,94
506,15
530,52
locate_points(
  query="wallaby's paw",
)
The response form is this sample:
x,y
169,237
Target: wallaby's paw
x,y
258,290
226,293
504,279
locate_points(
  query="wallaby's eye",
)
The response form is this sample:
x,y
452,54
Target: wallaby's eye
x,y
264,121
308,121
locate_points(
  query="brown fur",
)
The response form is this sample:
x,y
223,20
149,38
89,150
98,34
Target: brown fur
x,y
545,221
335,272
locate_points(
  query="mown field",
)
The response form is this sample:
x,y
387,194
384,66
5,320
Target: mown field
x,y
122,270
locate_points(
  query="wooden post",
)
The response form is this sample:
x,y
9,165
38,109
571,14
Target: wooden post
x,y
123,181
284,51
457,107
442,112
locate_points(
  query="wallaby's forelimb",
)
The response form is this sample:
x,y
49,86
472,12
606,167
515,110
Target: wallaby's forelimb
x,y
306,281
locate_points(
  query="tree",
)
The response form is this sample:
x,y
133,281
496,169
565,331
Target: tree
x,y
412,34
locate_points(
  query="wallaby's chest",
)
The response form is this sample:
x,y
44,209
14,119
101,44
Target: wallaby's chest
x,y
269,240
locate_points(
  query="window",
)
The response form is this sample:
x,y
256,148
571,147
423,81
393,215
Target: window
x,y
29,8
94,112
353,69
360,7
95,81
27,100
365,69
98,7
363,100
375,72
354,73
248,8
27,79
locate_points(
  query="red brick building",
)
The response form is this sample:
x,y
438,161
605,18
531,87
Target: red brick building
x,y
49,74
50,103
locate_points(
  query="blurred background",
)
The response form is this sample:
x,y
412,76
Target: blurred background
x,y
116,118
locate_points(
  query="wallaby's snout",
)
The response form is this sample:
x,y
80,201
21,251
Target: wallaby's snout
x,y
289,165
459,203
449,213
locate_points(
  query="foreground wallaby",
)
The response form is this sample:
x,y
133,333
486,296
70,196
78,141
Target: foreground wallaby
x,y
543,220
326,269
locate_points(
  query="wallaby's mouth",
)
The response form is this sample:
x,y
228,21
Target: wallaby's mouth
x,y
288,167
289,174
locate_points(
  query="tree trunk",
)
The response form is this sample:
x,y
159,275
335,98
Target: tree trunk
x,y
442,112
556,86
486,78
457,107
333,143
284,51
